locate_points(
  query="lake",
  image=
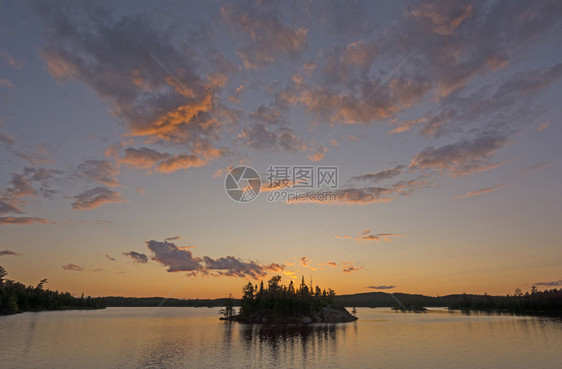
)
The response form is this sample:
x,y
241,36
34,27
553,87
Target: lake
x,y
171,337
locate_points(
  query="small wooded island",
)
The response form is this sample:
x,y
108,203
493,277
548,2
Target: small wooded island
x,y
280,304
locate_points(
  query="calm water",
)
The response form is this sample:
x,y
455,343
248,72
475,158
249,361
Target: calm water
x,y
190,337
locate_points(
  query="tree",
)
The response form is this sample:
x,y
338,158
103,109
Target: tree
x,y
3,273
228,310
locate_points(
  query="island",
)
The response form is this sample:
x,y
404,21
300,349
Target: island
x,y
280,304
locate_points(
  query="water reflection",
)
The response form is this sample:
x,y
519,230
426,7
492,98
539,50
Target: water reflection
x,y
185,337
293,344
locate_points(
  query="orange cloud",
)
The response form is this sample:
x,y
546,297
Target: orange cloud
x,y
543,126
22,220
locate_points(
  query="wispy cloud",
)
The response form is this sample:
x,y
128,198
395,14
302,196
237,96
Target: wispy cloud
x,y
549,284
382,287
22,220
73,267
96,197
366,235
481,191
8,253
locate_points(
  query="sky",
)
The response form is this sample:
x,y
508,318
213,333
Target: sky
x,y
120,122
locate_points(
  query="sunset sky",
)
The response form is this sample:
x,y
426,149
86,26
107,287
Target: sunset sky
x,y
119,122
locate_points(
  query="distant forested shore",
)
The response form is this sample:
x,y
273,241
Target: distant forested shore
x,y
535,302
15,297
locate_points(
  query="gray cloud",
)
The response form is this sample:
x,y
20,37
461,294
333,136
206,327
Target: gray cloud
x,y
109,257
234,267
179,259
463,157
7,206
382,287
268,38
6,139
137,257
176,259
550,284
95,197
99,171
370,195
379,176
73,267
8,252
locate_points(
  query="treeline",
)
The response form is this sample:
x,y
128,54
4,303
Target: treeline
x,y
15,297
119,301
287,300
547,302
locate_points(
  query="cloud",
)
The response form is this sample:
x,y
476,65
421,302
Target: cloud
x,y
407,125
305,262
366,235
137,257
261,137
109,257
268,37
234,267
381,287
100,171
73,267
8,252
316,157
5,83
543,126
7,206
349,267
10,60
330,263
480,191
365,195
21,220
172,238
176,259
95,197
347,19
550,284
181,161
443,17
379,176
138,85
533,167
143,157
6,139
463,157
30,182
147,158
